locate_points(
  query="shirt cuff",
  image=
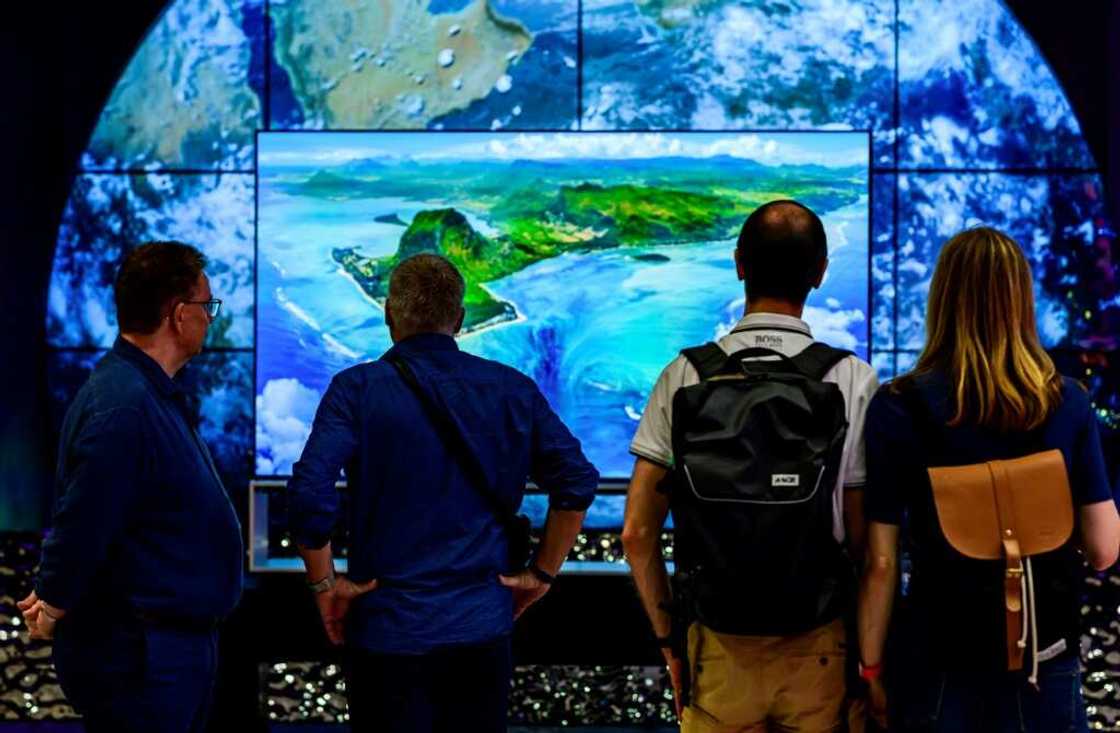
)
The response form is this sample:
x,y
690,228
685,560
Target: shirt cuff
x,y
52,596
662,459
571,502
311,539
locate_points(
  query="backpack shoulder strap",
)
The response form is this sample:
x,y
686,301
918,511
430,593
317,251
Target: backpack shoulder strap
x,y
709,359
817,359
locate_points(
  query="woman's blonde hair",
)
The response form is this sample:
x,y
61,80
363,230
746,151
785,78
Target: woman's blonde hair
x,y
980,332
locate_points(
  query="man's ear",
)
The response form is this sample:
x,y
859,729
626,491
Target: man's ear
x,y
175,318
388,316
459,323
820,275
739,269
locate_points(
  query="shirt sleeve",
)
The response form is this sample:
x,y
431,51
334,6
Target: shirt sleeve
x,y
104,471
1089,477
654,438
889,439
313,498
864,384
557,463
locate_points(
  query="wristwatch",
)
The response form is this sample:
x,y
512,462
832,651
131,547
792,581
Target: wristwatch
x,y
324,585
546,578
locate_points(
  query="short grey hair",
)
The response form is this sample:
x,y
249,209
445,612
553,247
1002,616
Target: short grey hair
x,y
426,294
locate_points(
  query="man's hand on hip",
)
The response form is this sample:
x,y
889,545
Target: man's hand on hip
x,y
527,589
334,604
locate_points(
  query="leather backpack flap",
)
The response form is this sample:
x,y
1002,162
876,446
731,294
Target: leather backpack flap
x,y
1041,507
1010,510
966,510
1043,504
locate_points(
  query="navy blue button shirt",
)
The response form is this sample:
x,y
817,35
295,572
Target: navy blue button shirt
x,y
141,518
897,453
415,521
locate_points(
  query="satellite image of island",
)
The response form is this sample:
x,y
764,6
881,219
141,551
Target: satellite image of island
x,y
590,259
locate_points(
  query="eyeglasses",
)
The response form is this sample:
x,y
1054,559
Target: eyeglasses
x,y
212,307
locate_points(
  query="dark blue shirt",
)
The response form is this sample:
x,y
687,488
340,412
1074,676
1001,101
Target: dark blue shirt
x,y
416,523
141,520
898,450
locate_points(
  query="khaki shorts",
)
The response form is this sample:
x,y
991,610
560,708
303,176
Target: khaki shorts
x,y
766,684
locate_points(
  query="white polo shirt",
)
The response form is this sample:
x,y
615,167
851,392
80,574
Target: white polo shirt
x,y
787,335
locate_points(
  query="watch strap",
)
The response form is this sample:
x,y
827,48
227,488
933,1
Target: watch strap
x,y
324,585
541,575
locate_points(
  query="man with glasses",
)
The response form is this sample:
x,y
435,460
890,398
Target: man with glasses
x,y
144,554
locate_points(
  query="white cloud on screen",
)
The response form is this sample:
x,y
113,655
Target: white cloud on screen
x,y
834,327
625,146
768,149
323,155
285,411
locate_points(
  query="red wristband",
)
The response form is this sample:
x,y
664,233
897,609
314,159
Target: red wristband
x,y
870,672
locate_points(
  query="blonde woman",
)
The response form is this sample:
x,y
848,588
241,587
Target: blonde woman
x,y
983,389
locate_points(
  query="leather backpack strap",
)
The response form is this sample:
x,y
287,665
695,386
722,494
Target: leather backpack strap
x,y
1013,559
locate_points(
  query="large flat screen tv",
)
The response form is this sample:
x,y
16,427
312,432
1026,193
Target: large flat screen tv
x,y
591,259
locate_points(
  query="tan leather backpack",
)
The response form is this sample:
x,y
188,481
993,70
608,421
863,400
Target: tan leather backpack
x,y
1012,510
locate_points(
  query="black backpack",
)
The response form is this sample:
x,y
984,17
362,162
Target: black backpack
x,y
757,447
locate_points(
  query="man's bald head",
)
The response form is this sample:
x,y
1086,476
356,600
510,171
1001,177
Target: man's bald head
x,y
782,250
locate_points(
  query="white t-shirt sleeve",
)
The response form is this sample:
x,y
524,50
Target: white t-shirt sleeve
x,y
862,388
654,438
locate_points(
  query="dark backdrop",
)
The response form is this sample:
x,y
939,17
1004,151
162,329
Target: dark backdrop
x,y
58,72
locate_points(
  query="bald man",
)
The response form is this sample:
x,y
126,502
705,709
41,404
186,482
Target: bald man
x,y
753,679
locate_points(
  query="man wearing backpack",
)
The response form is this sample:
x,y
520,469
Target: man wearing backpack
x,y
756,445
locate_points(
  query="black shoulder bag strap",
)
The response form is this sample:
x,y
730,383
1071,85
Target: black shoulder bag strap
x,y
708,360
517,526
817,359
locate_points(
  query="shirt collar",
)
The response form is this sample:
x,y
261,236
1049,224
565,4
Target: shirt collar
x,y
772,322
427,342
147,366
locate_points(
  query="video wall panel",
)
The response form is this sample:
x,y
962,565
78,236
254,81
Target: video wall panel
x,y
1058,220
110,213
192,95
974,92
507,64
590,259
735,65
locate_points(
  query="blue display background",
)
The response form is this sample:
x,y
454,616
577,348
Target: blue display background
x,y
969,126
